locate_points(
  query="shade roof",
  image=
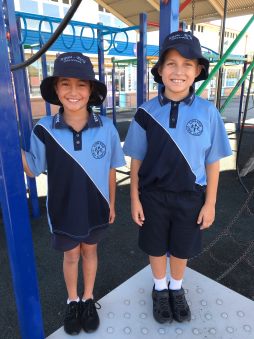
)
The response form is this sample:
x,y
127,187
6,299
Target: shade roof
x,y
205,10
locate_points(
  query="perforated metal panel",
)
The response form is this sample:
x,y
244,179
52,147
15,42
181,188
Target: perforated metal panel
x,y
217,312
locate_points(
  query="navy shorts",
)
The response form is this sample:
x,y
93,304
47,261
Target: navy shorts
x,y
171,223
65,243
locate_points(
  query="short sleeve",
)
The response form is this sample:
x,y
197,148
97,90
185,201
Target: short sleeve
x,y
117,155
135,144
36,157
220,147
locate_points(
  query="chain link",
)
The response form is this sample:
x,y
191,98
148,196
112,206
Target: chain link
x,y
218,261
225,232
233,266
247,260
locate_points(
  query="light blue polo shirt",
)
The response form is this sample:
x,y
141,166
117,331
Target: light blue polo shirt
x,y
78,166
175,141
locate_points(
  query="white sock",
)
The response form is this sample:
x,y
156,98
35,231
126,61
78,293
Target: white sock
x,y
175,284
84,300
160,284
69,301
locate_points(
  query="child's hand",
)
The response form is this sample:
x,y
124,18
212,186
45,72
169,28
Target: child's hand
x,y
137,212
112,215
206,216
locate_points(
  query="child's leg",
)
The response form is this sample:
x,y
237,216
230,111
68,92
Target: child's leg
x,y
89,316
161,309
70,270
89,265
159,266
179,305
177,267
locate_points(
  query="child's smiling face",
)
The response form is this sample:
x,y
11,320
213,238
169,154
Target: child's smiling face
x,y
74,94
178,74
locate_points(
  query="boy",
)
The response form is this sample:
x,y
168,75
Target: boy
x,y
175,141
80,151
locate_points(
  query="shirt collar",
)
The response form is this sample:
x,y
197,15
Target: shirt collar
x,y
94,120
188,100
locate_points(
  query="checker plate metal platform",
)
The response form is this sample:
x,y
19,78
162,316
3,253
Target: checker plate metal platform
x,y
217,312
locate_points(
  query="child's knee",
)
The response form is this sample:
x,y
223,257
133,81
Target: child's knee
x,y
88,251
72,256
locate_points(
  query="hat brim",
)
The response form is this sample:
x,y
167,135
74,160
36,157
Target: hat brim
x,y
48,91
187,53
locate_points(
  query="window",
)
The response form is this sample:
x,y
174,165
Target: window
x,y
67,2
232,76
102,9
35,77
200,28
29,6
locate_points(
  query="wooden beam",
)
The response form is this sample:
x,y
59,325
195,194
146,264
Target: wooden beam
x,y
217,6
154,4
114,12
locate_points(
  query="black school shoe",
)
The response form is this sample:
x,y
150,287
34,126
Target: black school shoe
x,y
161,307
89,317
72,318
179,306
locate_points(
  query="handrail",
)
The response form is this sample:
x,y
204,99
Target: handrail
x,y
101,29
239,83
224,57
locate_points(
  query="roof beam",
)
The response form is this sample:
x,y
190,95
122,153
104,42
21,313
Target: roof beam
x,y
217,6
154,4
114,12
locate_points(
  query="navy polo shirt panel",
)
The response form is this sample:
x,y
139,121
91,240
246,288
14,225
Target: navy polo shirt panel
x,y
78,181
159,168
174,159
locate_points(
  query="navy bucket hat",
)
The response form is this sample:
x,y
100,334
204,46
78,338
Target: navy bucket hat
x,y
188,46
73,65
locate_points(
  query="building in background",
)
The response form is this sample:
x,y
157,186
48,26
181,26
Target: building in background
x,y
125,83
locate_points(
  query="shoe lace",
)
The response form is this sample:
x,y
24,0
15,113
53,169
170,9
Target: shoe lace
x,y
92,306
163,303
181,301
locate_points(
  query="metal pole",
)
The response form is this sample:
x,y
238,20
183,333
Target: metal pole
x,y
22,98
141,57
113,91
101,66
241,96
169,20
220,74
14,206
241,132
44,75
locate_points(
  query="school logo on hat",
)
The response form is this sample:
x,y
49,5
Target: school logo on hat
x,y
194,127
98,150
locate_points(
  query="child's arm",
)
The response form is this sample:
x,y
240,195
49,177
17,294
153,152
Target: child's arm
x,y
136,207
25,165
207,214
112,195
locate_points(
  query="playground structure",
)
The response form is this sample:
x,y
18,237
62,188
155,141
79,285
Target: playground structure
x,y
13,189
